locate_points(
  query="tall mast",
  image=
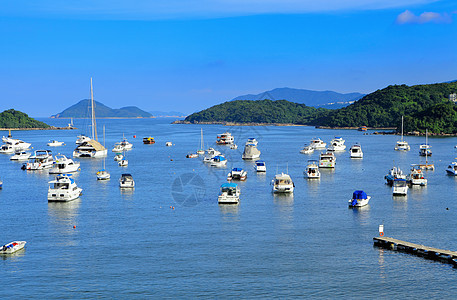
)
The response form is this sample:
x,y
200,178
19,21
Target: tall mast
x,y
402,128
426,147
94,123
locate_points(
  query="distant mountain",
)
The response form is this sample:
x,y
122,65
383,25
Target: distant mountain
x,y
327,99
81,110
15,119
167,114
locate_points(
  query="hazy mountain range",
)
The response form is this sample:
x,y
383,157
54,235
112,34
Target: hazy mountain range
x,y
327,99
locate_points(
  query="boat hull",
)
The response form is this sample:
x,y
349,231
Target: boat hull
x,y
60,195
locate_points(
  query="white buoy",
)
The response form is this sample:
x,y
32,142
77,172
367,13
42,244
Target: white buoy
x,y
381,230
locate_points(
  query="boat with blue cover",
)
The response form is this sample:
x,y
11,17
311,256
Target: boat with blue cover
x,y
229,194
218,161
237,174
359,199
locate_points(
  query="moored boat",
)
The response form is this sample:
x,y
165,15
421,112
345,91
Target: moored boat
x,y
41,159
126,181
452,168
63,189
62,165
394,173
327,160
229,194
54,143
12,247
400,187
359,199
308,149
312,170
237,174
251,151
218,161
148,140
282,183
317,144
210,153
260,166
356,151
225,138
416,176
20,155
337,144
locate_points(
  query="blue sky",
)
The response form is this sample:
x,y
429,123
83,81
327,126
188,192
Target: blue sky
x,y
189,55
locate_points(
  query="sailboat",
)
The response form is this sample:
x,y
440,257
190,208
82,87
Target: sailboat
x,y
201,151
123,162
402,145
103,174
425,148
91,148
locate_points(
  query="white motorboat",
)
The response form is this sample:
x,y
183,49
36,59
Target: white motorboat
x,y
12,247
63,165
63,189
20,155
400,187
16,145
337,144
118,148
233,146
126,181
307,149
251,151
81,139
192,155
218,161
416,177
312,170
452,168
210,153
327,160
282,183
356,151
168,144
118,157
54,143
394,173
425,150
260,166
402,145
359,199
317,144
126,144
91,148
237,174
123,162
1,184
225,138
229,194
7,149
41,159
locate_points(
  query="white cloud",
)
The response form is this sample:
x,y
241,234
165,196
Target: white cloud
x,y
407,17
170,9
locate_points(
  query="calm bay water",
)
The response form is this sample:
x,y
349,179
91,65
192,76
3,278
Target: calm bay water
x,y
132,244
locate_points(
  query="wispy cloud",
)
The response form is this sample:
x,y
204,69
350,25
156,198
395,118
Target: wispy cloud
x,y
407,17
172,9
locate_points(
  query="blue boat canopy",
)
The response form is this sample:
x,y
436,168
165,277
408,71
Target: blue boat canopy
x,y
359,195
237,169
228,185
218,158
260,163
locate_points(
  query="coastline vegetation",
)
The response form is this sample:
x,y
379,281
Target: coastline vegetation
x,y
15,119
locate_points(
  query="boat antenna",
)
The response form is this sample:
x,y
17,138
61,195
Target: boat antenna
x,y
287,166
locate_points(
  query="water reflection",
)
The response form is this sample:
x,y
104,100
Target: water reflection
x,y
65,216
361,214
230,212
284,205
381,263
14,256
127,194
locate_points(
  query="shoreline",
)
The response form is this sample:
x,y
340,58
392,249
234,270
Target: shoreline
x,y
49,128
236,123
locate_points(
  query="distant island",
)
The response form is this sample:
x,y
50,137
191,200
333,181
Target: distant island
x,y
81,110
428,106
327,99
167,114
14,119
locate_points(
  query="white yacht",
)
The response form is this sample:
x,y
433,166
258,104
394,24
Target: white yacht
x,y
312,170
251,151
425,150
41,159
359,199
337,144
202,145
393,174
416,177
327,160
7,149
402,145
260,166
210,153
63,188
356,151
12,247
123,163
282,183
126,181
225,138
452,168
317,144
400,187
218,161
63,165
237,174
103,175
168,144
91,148
54,143
81,139
118,148
126,144
20,155
118,157
307,149
13,145
229,194
233,146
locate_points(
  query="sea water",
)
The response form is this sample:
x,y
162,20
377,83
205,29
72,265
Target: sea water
x,y
169,237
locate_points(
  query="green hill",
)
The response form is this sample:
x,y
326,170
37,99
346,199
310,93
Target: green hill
x,y
82,110
384,108
260,111
15,119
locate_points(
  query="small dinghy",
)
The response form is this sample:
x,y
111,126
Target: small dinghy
x,y
12,247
